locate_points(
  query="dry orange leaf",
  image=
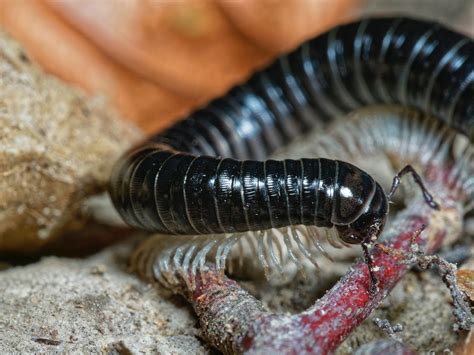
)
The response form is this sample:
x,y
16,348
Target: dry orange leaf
x,y
465,278
63,51
189,47
157,60
281,25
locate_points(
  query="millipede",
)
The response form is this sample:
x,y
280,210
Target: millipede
x,y
206,174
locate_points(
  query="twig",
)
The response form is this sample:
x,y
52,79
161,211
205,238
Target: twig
x,y
390,329
447,271
234,321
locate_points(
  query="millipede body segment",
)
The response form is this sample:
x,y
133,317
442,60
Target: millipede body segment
x,y
203,175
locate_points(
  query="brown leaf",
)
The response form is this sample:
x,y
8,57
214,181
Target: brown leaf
x,y
465,279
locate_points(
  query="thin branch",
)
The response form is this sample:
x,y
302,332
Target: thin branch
x,y
234,321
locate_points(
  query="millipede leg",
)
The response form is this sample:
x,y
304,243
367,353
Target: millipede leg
x,y
370,264
410,170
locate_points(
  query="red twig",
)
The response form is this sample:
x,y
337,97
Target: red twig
x,y
324,326
234,321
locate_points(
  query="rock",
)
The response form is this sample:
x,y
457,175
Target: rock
x,y
91,306
58,146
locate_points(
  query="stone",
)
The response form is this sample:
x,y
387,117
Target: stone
x,y
91,305
58,147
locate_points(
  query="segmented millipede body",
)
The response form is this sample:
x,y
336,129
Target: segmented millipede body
x,y
204,175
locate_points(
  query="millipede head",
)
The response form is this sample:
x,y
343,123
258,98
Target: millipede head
x,y
367,227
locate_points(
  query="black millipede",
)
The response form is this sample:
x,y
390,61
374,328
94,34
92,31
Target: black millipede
x,y
203,175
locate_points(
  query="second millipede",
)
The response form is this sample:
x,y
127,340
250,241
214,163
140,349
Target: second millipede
x,y
204,175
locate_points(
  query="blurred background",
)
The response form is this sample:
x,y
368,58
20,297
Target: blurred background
x,y
157,60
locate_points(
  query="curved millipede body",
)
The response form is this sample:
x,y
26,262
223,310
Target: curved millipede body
x,y
392,136
203,176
